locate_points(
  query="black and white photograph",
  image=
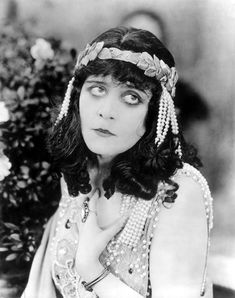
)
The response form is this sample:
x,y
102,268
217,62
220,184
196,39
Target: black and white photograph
x,y
117,149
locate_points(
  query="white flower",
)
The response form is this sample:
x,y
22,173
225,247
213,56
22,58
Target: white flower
x,y
42,50
4,113
5,166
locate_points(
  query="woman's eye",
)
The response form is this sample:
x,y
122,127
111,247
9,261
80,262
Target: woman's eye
x,y
97,90
132,99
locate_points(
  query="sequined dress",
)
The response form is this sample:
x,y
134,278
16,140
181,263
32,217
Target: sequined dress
x,y
53,274
130,263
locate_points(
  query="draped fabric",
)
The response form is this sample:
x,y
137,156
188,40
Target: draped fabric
x,y
40,283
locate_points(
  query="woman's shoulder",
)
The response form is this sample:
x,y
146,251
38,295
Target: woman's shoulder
x,y
181,237
191,212
194,193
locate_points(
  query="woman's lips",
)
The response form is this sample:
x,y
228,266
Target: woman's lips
x,y
104,132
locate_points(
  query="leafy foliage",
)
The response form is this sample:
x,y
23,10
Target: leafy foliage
x,y
29,195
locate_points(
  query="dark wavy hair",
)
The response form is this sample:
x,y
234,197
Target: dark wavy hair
x,y
139,170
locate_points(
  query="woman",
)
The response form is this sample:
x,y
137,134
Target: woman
x,y
135,217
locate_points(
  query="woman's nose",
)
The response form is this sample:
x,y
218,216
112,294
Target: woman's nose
x,y
107,109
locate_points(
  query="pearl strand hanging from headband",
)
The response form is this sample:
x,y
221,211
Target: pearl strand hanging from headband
x,y
166,117
66,102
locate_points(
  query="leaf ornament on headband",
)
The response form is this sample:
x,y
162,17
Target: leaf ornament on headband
x,y
89,54
152,66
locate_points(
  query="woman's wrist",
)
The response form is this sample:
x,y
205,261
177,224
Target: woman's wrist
x,y
89,285
91,271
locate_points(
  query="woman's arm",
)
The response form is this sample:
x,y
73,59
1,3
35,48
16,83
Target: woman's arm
x,y
178,251
113,287
92,241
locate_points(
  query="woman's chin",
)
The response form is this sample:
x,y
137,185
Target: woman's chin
x,y
100,150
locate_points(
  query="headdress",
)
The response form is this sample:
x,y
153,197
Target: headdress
x,y
152,67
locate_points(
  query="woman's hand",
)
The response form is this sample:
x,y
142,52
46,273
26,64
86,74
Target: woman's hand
x,y
93,240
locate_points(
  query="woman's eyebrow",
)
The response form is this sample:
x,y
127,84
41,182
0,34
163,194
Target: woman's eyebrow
x,y
91,81
132,86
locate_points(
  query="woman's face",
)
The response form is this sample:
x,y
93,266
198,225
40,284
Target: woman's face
x,y
112,115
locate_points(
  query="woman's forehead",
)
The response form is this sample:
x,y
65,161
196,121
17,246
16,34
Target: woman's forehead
x,y
109,79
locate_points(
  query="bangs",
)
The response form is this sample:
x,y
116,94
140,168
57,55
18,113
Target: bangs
x,y
122,72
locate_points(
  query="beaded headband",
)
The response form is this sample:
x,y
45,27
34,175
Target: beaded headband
x,y
152,67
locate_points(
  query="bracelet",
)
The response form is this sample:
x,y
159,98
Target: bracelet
x,y
88,285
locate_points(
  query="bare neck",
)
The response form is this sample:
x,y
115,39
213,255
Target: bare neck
x,y
97,176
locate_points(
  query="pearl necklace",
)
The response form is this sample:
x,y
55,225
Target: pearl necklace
x,y
129,238
134,226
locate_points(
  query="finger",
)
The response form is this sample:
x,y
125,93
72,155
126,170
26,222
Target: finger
x,y
112,230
